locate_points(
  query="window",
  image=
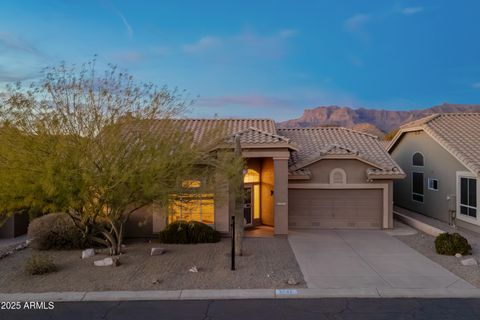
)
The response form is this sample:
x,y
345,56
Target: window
x,y
417,159
191,184
338,176
253,177
468,197
192,207
417,186
433,184
194,204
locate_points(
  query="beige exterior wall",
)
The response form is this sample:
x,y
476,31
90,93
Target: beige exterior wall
x,y
222,204
281,196
274,193
356,170
438,164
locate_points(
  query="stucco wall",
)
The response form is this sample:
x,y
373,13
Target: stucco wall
x,y
280,196
356,170
438,164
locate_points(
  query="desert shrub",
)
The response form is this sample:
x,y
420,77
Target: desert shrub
x,y
40,264
55,231
189,232
450,244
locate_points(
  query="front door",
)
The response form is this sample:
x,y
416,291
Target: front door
x,y
247,206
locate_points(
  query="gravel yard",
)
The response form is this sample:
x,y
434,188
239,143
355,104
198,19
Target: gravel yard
x,y
268,263
424,244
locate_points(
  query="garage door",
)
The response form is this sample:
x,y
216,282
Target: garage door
x,y
332,209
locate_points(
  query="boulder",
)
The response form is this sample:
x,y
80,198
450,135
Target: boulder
x,y
193,269
87,253
292,281
458,255
157,251
107,262
469,262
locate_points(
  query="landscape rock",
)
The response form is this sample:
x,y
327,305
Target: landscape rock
x,y
87,253
292,281
458,255
107,262
156,281
157,251
193,269
469,262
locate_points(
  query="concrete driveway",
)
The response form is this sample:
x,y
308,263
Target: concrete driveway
x,y
346,259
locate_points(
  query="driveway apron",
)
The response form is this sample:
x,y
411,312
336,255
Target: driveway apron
x,y
344,259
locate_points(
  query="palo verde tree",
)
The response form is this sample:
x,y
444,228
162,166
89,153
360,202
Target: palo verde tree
x,y
97,146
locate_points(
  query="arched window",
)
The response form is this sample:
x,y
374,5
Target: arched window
x,y
338,176
251,176
417,159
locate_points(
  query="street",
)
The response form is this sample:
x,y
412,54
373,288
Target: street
x,y
335,308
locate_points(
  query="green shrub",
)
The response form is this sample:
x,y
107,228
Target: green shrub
x,y
55,231
451,244
39,264
189,232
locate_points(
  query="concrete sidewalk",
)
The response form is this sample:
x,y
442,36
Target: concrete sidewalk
x,y
242,294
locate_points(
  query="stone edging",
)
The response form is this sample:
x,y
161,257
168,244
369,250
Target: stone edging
x,y
6,251
417,224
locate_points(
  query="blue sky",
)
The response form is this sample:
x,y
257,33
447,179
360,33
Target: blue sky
x,y
260,58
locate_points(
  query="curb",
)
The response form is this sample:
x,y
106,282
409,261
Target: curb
x,y
241,294
419,225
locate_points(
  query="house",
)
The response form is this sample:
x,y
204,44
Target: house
x,y
440,155
14,225
326,177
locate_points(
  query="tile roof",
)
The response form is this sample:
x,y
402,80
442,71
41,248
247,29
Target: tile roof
x,y
256,136
317,143
306,144
458,133
227,127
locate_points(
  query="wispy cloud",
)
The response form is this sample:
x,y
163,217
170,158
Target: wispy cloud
x,y
12,75
127,25
112,9
11,42
287,33
241,46
19,59
408,11
476,85
357,22
203,44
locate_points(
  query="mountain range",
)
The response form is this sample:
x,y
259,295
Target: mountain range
x,y
374,121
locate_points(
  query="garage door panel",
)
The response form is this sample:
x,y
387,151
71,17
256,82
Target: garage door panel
x,y
336,209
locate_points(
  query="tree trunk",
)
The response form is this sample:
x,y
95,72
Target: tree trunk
x,y
239,203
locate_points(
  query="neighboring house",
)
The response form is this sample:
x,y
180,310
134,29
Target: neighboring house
x,y
441,156
308,177
14,226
